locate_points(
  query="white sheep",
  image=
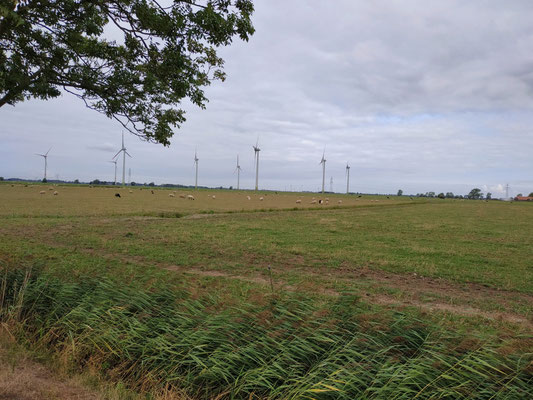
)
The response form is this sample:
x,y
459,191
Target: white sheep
x,y
182,196
171,195
214,197
42,192
131,191
248,197
50,188
313,201
298,201
340,202
55,193
261,198
190,197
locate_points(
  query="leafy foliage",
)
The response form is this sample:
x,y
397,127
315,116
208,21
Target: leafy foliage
x,y
475,194
161,54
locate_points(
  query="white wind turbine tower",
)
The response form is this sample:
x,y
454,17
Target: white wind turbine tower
x,y
347,179
256,156
45,156
238,171
124,152
323,162
115,162
196,165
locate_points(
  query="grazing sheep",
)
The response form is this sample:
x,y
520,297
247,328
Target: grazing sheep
x,y
214,197
131,191
50,188
182,196
171,195
327,198
248,197
340,202
313,201
190,197
117,194
298,201
55,193
320,201
261,198
42,192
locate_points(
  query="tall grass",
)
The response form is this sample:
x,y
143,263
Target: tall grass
x,y
275,347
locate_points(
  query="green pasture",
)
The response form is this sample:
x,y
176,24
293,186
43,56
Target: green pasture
x,y
272,299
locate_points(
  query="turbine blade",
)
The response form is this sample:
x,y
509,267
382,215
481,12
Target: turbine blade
x,y
117,153
48,151
127,153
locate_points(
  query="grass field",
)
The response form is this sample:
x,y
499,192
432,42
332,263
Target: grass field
x,y
373,297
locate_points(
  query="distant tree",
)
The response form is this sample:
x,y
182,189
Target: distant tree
x,y
44,180
430,194
441,196
76,181
400,192
165,53
231,188
475,194
1,178
519,195
151,184
530,195
132,184
449,195
489,196
96,182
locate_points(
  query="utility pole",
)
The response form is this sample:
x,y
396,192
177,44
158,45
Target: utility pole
x,y
507,191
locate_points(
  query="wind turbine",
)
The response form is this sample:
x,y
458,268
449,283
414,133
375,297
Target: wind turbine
x,y
196,164
238,171
323,162
115,162
124,152
256,156
347,179
45,156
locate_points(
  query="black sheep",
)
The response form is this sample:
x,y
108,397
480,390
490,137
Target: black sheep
x,y
117,194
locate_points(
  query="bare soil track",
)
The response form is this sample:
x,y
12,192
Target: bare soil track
x,y
24,379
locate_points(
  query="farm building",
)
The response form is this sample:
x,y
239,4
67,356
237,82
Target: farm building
x,y
523,198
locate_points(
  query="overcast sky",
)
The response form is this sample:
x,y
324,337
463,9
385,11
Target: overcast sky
x,y
419,96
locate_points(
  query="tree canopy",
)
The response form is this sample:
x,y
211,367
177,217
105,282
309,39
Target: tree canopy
x,y
475,194
132,60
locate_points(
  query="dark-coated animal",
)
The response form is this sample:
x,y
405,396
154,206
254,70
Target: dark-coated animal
x,y
117,194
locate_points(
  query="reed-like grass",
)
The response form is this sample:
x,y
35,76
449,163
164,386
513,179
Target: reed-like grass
x,y
159,336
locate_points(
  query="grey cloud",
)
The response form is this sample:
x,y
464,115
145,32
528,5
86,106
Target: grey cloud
x,y
423,97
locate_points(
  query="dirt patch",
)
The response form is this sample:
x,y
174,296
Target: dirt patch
x,y
23,379
417,284
382,299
